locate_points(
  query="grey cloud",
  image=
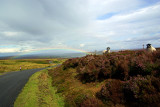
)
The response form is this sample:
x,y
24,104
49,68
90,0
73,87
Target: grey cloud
x,y
46,23
144,38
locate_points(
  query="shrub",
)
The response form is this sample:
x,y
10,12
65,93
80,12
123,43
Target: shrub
x,y
118,65
121,70
142,89
92,102
156,83
70,63
79,99
137,90
112,91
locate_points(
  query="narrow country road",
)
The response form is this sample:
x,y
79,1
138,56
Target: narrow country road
x,y
11,85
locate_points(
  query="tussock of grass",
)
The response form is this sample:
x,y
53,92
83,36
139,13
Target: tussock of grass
x,y
39,92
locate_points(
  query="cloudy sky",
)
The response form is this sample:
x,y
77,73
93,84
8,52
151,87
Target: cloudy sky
x,y
81,24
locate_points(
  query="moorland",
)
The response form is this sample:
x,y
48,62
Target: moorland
x,y
124,78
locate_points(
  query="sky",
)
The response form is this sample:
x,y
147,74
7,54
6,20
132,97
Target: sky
x,y
89,25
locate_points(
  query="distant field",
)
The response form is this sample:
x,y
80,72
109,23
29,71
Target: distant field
x,y
15,64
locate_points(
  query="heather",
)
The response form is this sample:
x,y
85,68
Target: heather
x,y
122,78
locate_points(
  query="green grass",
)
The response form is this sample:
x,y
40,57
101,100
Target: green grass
x,y
14,64
39,92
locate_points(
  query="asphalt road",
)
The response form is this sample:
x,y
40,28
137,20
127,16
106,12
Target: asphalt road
x,y
11,85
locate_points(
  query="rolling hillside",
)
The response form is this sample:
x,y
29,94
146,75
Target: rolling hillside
x,y
125,78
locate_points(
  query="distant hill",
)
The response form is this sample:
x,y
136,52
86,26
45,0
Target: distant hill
x,y
51,55
41,56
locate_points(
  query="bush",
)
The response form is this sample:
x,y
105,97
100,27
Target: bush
x,y
118,65
142,89
156,83
79,99
112,91
137,90
70,63
92,102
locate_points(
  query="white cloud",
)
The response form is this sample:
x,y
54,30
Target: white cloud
x,y
131,24
9,50
59,43
82,45
10,33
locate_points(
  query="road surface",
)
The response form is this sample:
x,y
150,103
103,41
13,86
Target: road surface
x,y
11,85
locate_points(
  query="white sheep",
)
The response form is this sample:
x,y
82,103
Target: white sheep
x,y
106,51
150,48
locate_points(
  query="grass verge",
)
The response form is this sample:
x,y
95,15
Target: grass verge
x,y
38,92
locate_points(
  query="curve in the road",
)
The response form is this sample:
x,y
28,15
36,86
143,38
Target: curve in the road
x,y
11,85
